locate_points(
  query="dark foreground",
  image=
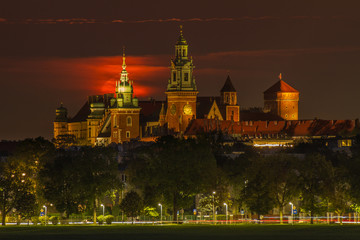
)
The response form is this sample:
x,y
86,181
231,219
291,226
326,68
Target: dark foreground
x,y
186,232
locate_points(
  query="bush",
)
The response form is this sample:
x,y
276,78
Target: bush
x,y
54,220
43,220
35,220
109,219
63,221
100,219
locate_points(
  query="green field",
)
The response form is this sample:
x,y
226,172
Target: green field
x,y
169,232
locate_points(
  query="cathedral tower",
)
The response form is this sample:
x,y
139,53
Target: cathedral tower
x,y
282,100
181,90
61,122
124,110
229,100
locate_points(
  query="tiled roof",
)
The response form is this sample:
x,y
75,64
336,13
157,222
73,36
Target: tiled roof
x,y
84,111
82,114
246,115
288,128
281,86
204,104
228,86
150,110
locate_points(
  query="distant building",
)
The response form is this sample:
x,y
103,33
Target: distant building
x,y
120,117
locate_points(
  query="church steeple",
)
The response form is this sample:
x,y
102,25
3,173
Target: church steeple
x,y
124,73
181,78
124,88
181,90
181,47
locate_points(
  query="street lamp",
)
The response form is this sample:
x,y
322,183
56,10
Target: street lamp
x,y
103,209
226,206
292,212
45,213
214,217
160,213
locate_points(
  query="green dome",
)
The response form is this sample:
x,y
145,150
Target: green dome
x,y
181,40
61,114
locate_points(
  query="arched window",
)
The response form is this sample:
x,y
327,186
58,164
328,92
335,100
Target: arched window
x,y
129,121
115,121
127,134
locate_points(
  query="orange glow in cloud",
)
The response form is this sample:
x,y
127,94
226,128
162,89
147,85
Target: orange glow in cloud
x,y
95,75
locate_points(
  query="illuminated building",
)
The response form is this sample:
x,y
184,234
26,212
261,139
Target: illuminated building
x,y
120,117
282,100
104,118
181,90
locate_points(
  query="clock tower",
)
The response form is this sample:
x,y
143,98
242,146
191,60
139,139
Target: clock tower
x,y
181,90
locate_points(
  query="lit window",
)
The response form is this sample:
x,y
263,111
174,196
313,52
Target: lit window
x,y
128,121
127,134
186,77
344,143
115,121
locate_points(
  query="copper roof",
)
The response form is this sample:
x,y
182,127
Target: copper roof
x,y
289,128
228,86
281,86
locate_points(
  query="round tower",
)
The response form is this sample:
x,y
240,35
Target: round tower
x,y
61,121
282,100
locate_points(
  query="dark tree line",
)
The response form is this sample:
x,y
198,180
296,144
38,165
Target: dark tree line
x,y
176,172
74,180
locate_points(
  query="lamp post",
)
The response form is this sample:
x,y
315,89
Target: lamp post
x,y
292,213
214,217
160,213
103,209
45,213
226,206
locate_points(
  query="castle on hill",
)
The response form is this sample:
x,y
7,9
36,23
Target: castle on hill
x,y
120,117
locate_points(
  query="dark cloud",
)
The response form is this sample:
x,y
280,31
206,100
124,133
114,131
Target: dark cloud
x,y
52,51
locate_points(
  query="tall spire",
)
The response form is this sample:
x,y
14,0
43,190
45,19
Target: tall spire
x,y
181,39
124,73
181,67
124,63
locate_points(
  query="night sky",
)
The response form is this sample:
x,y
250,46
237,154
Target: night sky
x,y
64,51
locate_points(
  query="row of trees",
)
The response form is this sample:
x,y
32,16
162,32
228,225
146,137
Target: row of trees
x,y
173,171
73,180
179,174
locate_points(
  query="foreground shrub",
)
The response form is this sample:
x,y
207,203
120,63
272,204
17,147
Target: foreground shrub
x,y
43,220
64,221
35,220
54,220
100,219
109,219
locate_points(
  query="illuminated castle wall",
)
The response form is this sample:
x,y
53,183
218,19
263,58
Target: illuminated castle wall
x,y
119,117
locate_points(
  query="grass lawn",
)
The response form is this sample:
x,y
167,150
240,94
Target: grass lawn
x,y
170,232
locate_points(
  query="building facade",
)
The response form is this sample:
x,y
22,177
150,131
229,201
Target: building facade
x,y
120,117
